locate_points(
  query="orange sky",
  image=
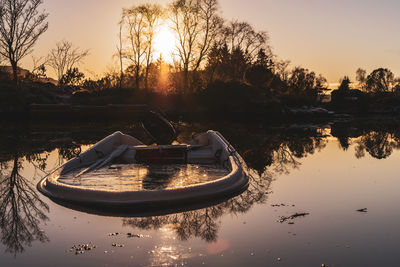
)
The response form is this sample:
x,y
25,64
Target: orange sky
x,y
330,37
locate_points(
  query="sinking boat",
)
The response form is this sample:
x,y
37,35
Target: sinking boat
x,y
121,171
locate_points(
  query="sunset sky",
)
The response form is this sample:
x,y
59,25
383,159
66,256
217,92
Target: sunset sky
x,y
333,38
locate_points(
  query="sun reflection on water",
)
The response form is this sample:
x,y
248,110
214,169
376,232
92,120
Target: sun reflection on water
x,y
170,253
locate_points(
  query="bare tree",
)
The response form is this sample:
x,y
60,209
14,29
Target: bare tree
x,y
21,25
242,36
152,15
39,67
120,54
185,19
282,69
136,52
196,24
142,22
211,28
65,57
361,77
21,210
239,49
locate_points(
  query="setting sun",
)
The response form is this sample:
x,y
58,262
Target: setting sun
x,y
199,132
164,43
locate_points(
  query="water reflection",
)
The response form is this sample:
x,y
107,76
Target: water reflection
x,y
25,146
21,209
204,223
379,145
268,151
378,141
268,154
68,152
278,149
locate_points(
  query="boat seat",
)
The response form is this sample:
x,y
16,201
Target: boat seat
x,y
201,155
169,154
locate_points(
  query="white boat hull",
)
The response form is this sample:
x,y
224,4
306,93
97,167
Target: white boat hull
x,y
204,148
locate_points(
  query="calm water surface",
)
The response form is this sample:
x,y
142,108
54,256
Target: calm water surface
x,y
306,186
143,177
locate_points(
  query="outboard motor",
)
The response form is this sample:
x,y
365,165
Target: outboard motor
x,y
158,128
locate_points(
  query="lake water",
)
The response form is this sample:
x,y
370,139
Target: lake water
x,y
326,194
143,177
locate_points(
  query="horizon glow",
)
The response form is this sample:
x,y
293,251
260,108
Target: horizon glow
x,y
333,38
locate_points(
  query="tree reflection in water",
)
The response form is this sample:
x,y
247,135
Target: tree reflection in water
x,y
379,145
204,223
268,153
21,210
378,140
267,158
67,152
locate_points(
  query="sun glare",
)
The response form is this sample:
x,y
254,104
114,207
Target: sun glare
x,y
164,43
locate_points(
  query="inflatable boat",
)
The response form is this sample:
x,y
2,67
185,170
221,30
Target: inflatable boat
x,y
119,154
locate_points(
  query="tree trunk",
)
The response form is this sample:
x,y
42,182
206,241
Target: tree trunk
x,y
121,77
121,80
186,86
137,81
146,79
137,78
15,71
211,77
14,171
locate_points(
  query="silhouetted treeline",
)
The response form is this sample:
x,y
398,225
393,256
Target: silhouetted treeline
x,y
210,53
378,92
220,66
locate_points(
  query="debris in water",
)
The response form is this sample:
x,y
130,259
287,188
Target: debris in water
x,y
130,235
113,234
283,219
118,245
363,210
81,248
282,205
